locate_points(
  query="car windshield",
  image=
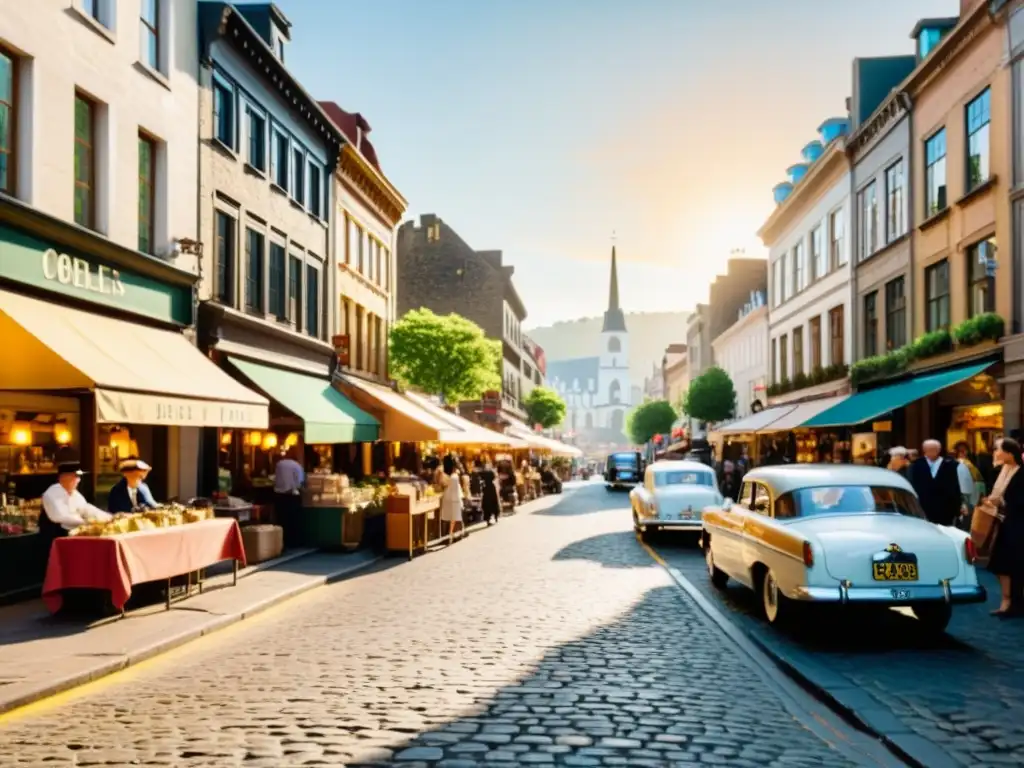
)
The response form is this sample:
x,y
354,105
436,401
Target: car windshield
x,y
624,461
682,477
847,499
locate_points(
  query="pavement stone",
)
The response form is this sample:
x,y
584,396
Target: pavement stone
x,y
551,639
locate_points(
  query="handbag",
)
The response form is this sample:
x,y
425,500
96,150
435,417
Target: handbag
x,y
985,524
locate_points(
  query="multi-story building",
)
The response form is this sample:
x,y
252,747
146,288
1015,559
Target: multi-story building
x,y
437,269
654,383
742,352
675,375
535,366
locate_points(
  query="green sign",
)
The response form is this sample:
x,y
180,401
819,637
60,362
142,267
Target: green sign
x,y
26,259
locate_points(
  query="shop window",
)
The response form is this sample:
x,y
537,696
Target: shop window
x,y
8,120
835,320
147,193
312,301
279,153
85,161
814,327
895,314
295,291
149,34
935,173
936,286
277,285
224,268
784,357
895,206
871,324
798,351
223,110
981,280
254,270
867,205
978,117
836,233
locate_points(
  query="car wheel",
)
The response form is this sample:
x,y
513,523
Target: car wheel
x,y
719,578
776,606
934,617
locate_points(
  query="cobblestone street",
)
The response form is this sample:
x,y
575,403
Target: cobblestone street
x,y
553,639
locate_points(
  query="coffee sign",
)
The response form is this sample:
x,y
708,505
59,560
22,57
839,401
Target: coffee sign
x,y
71,270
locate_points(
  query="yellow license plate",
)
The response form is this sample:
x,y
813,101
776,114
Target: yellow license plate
x,y
894,571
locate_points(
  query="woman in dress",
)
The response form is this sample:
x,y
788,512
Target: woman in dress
x,y
1007,497
491,502
451,501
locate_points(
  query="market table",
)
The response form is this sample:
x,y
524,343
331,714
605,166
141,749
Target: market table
x,y
116,563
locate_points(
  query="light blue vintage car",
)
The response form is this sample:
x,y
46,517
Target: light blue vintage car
x,y
673,496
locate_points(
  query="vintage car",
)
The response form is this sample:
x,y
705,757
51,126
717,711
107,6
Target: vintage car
x,y
839,534
623,470
673,496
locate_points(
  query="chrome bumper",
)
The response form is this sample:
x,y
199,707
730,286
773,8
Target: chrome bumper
x,y
847,594
682,525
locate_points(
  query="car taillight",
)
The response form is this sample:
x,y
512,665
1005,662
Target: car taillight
x,y
808,554
970,551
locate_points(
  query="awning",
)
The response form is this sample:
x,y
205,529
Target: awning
x,y
802,413
865,406
555,447
141,375
328,416
460,431
402,420
755,422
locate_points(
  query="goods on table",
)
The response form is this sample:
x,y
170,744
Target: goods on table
x,y
165,516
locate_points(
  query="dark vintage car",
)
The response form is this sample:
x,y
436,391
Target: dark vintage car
x,y
623,470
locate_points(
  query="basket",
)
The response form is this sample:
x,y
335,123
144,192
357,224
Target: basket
x,y
262,542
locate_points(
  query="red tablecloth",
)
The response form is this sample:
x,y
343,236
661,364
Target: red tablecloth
x,y
115,563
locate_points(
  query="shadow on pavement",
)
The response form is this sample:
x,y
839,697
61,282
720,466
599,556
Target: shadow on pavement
x,y
588,500
610,550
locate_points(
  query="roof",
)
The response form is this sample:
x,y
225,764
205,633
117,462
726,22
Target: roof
x,y
791,477
355,127
614,319
580,369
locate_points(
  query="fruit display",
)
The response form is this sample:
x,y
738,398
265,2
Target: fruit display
x,y
165,516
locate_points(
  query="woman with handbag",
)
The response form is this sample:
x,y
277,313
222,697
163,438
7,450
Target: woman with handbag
x,y
1006,541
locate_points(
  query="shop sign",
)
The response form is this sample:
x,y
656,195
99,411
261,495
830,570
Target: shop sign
x,y
28,260
881,426
341,348
161,410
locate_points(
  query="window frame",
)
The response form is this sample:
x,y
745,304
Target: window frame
x,y
867,208
312,308
818,258
895,198
277,248
982,126
837,341
226,257
938,301
800,281
836,252
982,280
255,114
280,140
147,28
295,311
146,139
227,92
798,351
784,357
814,330
315,203
90,148
931,163
895,316
255,280
299,190
870,315
10,185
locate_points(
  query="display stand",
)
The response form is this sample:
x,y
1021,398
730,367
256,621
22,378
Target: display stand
x,y
413,524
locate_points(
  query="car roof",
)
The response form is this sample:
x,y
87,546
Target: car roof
x,y
791,477
675,465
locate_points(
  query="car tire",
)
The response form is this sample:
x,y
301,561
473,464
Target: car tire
x,y
777,608
933,617
719,578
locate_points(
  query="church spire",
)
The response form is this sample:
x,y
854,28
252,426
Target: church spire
x,y
614,320
613,290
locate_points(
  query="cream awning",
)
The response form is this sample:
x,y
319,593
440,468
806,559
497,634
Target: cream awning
x,y
141,375
556,447
802,413
460,431
754,423
402,420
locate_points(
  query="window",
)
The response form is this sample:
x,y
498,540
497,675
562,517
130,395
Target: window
x,y
835,321
836,252
895,202
362,252
935,174
147,192
371,258
927,40
777,282
279,47
775,363
299,180
257,139
223,289
936,286
981,286
312,301
799,267
149,33
784,358
871,324
360,314
867,205
279,159
787,277
223,111
386,260
977,140
848,499
798,351
96,10
819,265
895,314
315,190
662,479
8,120
253,271
278,306
85,161
815,331
295,290
614,345
352,243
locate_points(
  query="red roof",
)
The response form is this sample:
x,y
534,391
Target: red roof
x,y
355,128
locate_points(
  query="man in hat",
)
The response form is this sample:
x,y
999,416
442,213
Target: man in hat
x,y
131,492
64,507
899,461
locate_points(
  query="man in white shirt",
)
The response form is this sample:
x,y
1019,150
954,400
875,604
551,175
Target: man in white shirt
x,y
288,480
64,507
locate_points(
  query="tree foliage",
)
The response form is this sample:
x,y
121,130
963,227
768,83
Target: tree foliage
x,y
653,417
444,355
711,396
544,407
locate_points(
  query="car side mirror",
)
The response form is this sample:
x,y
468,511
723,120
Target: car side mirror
x,y
727,504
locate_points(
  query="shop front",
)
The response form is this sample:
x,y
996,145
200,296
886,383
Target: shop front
x,y
97,369
790,439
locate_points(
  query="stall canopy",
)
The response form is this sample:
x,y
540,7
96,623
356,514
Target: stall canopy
x,y
865,406
328,416
556,447
403,421
460,431
755,422
140,375
801,414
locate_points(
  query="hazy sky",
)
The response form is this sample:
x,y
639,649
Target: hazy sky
x,y
540,126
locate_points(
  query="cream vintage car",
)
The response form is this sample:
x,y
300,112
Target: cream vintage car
x,y
838,534
674,495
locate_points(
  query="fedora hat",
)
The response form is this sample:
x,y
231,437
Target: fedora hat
x,y
129,465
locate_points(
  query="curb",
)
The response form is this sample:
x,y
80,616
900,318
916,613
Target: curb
x,y
215,624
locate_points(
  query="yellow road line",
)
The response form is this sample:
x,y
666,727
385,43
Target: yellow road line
x,y
654,555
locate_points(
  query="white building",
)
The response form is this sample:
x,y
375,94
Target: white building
x,y
809,293
742,352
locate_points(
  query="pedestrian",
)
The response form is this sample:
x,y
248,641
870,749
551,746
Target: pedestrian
x,y
491,501
451,501
1007,500
131,492
937,484
898,461
288,479
972,483
64,507
729,481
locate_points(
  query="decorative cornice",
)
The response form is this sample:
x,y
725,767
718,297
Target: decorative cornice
x,y
357,172
890,111
835,154
951,47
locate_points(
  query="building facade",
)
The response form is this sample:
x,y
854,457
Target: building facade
x,y
742,352
675,375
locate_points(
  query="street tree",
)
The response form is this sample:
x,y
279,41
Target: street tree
x,y
544,406
650,418
711,396
444,355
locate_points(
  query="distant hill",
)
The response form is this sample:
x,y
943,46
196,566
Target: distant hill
x,y
649,334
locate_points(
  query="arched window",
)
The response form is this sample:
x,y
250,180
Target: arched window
x,y
614,345
614,392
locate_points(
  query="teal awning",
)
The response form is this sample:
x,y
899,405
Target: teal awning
x,y
865,406
328,415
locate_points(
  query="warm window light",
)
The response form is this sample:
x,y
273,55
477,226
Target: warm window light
x,y
21,433
255,439
121,441
61,433
226,438
269,441
984,411
291,440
